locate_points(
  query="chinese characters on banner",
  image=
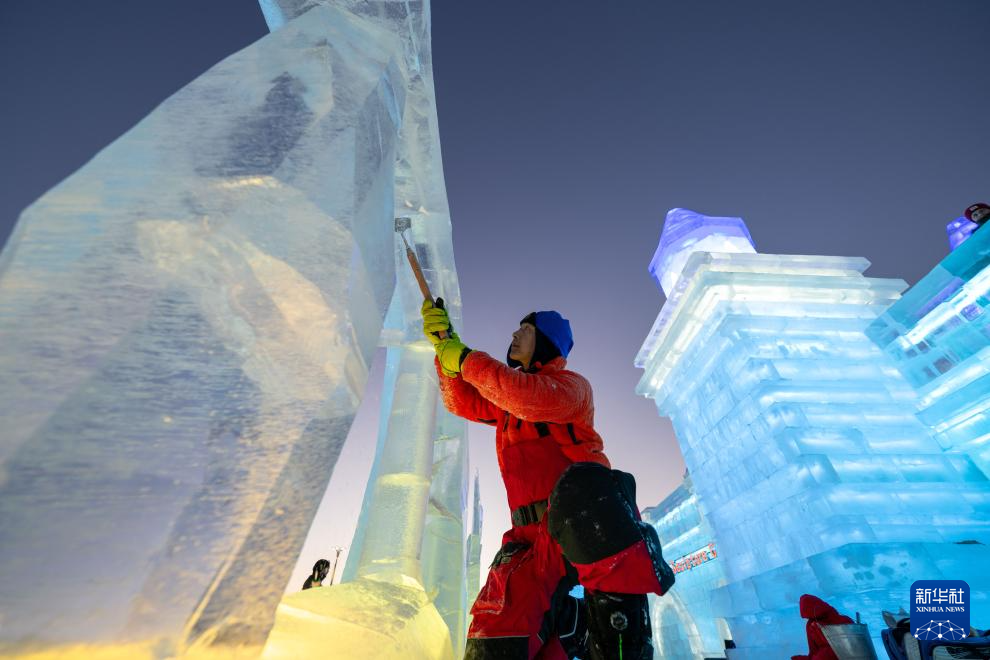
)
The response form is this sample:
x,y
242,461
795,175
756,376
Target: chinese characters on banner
x,y
951,596
940,610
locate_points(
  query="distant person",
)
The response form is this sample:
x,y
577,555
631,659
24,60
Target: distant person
x,y
574,519
978,213
819,613
320,570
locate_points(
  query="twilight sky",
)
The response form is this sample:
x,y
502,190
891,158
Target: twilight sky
x,y
568,130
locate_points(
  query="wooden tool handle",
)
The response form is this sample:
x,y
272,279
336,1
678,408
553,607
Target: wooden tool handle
x,y
424,288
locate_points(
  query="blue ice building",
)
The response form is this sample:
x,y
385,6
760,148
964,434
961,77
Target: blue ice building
x,y
801,437
684,625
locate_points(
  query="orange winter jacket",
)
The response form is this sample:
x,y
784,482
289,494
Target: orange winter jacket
x,y
543,419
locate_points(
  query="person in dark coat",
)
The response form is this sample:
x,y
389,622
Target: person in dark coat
x,y
320,570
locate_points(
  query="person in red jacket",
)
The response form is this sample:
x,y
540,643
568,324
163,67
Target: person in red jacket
x,y
819,613
574,519
978,213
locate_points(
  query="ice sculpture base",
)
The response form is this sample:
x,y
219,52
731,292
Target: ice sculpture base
x,y
366,618
140,650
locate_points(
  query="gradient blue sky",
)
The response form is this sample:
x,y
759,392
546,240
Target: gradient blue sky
x,y
568,129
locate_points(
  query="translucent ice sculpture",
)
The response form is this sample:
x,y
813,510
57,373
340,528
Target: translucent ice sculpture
x,y
185,328
385,611
334,622
409,545
444,554
803,445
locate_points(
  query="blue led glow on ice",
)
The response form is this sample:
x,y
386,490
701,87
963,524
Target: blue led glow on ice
x,y
959,230
686,232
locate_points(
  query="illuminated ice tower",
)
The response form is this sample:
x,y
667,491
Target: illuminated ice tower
x,y
800,436
474,544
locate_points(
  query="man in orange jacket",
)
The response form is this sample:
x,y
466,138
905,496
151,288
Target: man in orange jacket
x,y
574,519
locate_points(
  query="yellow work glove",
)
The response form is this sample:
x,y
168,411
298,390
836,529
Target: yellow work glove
x,y
451,353
435,321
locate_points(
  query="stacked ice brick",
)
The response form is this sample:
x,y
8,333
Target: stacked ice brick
x,y
684,624
801,437
938,336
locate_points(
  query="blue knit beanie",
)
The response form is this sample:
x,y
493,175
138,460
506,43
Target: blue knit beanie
x,y
553,337
557,329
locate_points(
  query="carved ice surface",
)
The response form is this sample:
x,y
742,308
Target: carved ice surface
x,y
185,328
410,542
803,445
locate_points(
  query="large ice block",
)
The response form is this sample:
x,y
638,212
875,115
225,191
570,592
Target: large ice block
x,y
401,486
185,327
333,622
411,528
803,445
444,554
385,611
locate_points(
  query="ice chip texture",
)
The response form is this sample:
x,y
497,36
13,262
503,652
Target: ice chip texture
x,y
185,328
